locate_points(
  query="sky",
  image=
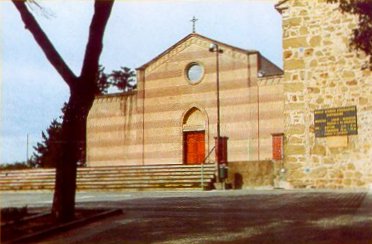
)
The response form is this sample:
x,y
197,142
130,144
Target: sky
x,y
32,92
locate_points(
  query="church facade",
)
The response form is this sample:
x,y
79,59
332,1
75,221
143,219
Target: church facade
x,y
172,117
319,110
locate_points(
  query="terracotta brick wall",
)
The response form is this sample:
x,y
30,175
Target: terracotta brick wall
x,y
251,108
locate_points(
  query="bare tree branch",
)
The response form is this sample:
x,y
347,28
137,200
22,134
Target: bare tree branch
x,y
41,38
102,10
83,89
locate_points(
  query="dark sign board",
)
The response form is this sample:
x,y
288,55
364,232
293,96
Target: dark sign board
x,y
336,121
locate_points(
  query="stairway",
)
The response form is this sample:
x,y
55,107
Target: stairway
x,y
119,178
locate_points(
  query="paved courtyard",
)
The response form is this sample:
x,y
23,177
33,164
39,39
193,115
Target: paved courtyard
x,y
219,217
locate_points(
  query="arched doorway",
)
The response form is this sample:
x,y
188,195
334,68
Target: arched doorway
x,y
194,136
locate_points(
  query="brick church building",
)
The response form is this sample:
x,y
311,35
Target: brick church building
x,y
172,117
309,126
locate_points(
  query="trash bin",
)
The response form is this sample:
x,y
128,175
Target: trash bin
x,y
223,171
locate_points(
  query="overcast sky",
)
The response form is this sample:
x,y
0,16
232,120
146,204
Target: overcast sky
x,y
32,93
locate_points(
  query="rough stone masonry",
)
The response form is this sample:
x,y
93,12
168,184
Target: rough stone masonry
x,y
322,71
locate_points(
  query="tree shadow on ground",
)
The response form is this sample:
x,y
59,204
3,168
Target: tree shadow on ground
x,y
270,218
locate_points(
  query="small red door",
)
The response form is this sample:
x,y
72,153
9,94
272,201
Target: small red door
x,y
194,147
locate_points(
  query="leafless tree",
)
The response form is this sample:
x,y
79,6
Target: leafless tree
x,y
83,88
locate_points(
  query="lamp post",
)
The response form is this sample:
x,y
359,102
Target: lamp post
x,y
215,48
27,142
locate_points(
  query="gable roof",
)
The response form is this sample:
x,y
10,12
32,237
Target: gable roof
x,y
267,68
198,36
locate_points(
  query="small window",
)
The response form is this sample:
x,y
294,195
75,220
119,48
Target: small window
x,y
194,73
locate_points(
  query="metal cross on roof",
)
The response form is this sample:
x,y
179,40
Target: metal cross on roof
x,y
193,20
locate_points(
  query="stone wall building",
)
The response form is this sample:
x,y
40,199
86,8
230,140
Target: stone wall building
x,y
321,71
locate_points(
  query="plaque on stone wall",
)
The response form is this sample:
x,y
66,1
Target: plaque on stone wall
x,y
336,121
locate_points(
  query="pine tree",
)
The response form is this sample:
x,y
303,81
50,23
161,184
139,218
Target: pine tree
x,y
123,79
102,81
47,152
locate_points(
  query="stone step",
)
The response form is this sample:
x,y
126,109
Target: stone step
x,y
110,179
114,182
121,188
102,186
115,178
97,173
101,176
169,166
138,186
158,171
98,170
108,176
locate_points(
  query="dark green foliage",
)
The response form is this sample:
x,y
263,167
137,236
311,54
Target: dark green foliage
x,y
102,81
123,79
362,35
48,151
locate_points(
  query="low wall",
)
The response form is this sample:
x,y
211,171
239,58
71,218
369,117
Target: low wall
x,y
251,174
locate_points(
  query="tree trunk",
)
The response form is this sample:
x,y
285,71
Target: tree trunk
x,y
73,138
82,90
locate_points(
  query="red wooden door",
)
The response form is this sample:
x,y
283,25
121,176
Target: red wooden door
x,y
194,147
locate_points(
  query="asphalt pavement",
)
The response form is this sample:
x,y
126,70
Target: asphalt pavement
x,y
276,216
